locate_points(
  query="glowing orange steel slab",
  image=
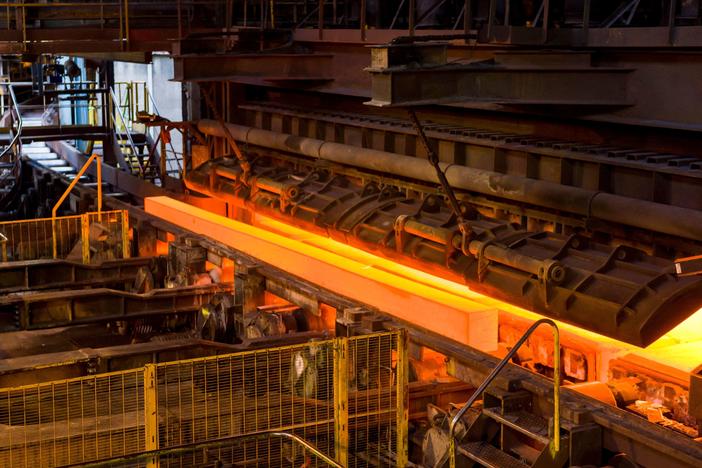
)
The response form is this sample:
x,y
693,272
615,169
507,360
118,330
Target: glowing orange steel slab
x,y
434,309
434,303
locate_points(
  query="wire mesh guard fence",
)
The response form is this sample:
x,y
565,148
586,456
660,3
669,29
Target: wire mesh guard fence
x,y
72,421
287,389
91,237
346,397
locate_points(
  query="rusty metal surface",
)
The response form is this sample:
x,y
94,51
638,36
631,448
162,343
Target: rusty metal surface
x,y
55,309
616,291
25,370
647,174
592,206
54,274
269,68
540,80
621,431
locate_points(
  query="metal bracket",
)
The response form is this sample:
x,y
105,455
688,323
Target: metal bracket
x,y
483,262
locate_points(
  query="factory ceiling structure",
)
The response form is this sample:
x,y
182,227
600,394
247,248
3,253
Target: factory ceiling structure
x,y
351,233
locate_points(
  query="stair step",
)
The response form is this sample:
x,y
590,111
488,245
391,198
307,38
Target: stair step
x,y
40,156
522,421
85,180
27,149
489,456
53,162
64,170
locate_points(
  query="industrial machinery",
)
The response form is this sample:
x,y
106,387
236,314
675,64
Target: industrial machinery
x,y
351,233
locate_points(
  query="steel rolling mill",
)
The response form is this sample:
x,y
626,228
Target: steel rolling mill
x,y
436,233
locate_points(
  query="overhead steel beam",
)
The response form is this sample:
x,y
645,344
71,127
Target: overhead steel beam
x,y
414,77
134,57
71,40
270,68
608,166
619,37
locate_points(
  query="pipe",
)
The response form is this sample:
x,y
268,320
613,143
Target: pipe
x,y
548,270
657,217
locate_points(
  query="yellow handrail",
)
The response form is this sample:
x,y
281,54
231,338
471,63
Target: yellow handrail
x,y
555,444
73,183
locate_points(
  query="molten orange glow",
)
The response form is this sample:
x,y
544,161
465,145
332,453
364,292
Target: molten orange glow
x,y
437,304
161,248
681,347
460,318
417,276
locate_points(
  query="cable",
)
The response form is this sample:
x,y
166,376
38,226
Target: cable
x,y
463,225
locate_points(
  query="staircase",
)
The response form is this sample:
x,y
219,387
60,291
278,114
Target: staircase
x,y
134,147
517,428
508,433
39,153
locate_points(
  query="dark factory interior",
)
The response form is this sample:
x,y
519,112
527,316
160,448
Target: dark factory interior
x,y
351,233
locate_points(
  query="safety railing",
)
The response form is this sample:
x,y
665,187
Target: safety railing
x,y
123,127
88,238
120,17
555,429
16,123
135,111
343,400
76,103
170,159
132,97
10,155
